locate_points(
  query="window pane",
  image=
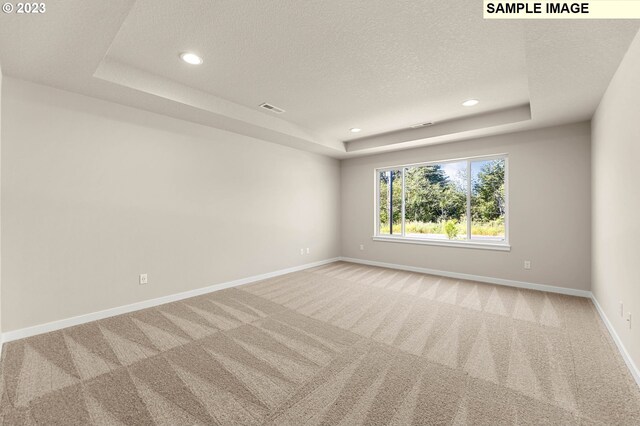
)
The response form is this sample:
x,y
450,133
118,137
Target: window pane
x,y
487,200
436,201
390,202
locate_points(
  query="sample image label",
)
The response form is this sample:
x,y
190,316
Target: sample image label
x,y
588,9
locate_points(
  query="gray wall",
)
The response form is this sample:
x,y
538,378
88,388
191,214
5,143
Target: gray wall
x,y
616,200
549,203
94,193
0,208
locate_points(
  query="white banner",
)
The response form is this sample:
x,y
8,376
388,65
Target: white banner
x,y
588,9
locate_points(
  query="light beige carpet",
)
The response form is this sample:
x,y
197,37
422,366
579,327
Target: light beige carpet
x,y
339,344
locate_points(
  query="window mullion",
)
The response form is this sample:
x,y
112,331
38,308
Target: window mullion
x,y
403,203
377,207
468,199
390,203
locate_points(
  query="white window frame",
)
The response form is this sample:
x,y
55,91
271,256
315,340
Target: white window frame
x,y
468,243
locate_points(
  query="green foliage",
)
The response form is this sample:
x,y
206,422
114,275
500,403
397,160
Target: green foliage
x,y
487,196
396,178
493,228
431,196
451,229
490,229
424,228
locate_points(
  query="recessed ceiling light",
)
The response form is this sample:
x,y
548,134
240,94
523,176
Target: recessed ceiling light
x,y
191,58
355,130
470,102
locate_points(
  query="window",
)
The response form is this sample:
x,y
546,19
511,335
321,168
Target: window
x,y
454,202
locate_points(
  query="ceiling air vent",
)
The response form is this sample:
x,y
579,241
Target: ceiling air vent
x,y
417,126
272,108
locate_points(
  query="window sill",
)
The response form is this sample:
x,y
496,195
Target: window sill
x,y
459,244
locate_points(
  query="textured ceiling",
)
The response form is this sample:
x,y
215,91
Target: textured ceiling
x,y
378,65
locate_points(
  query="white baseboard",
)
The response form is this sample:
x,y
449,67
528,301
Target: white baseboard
x,y
621,348
479,278
82,319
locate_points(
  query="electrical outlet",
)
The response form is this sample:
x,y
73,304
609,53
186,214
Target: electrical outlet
x,y
143,279
361,246
527,264
621,309
629,319
301,251
308,250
